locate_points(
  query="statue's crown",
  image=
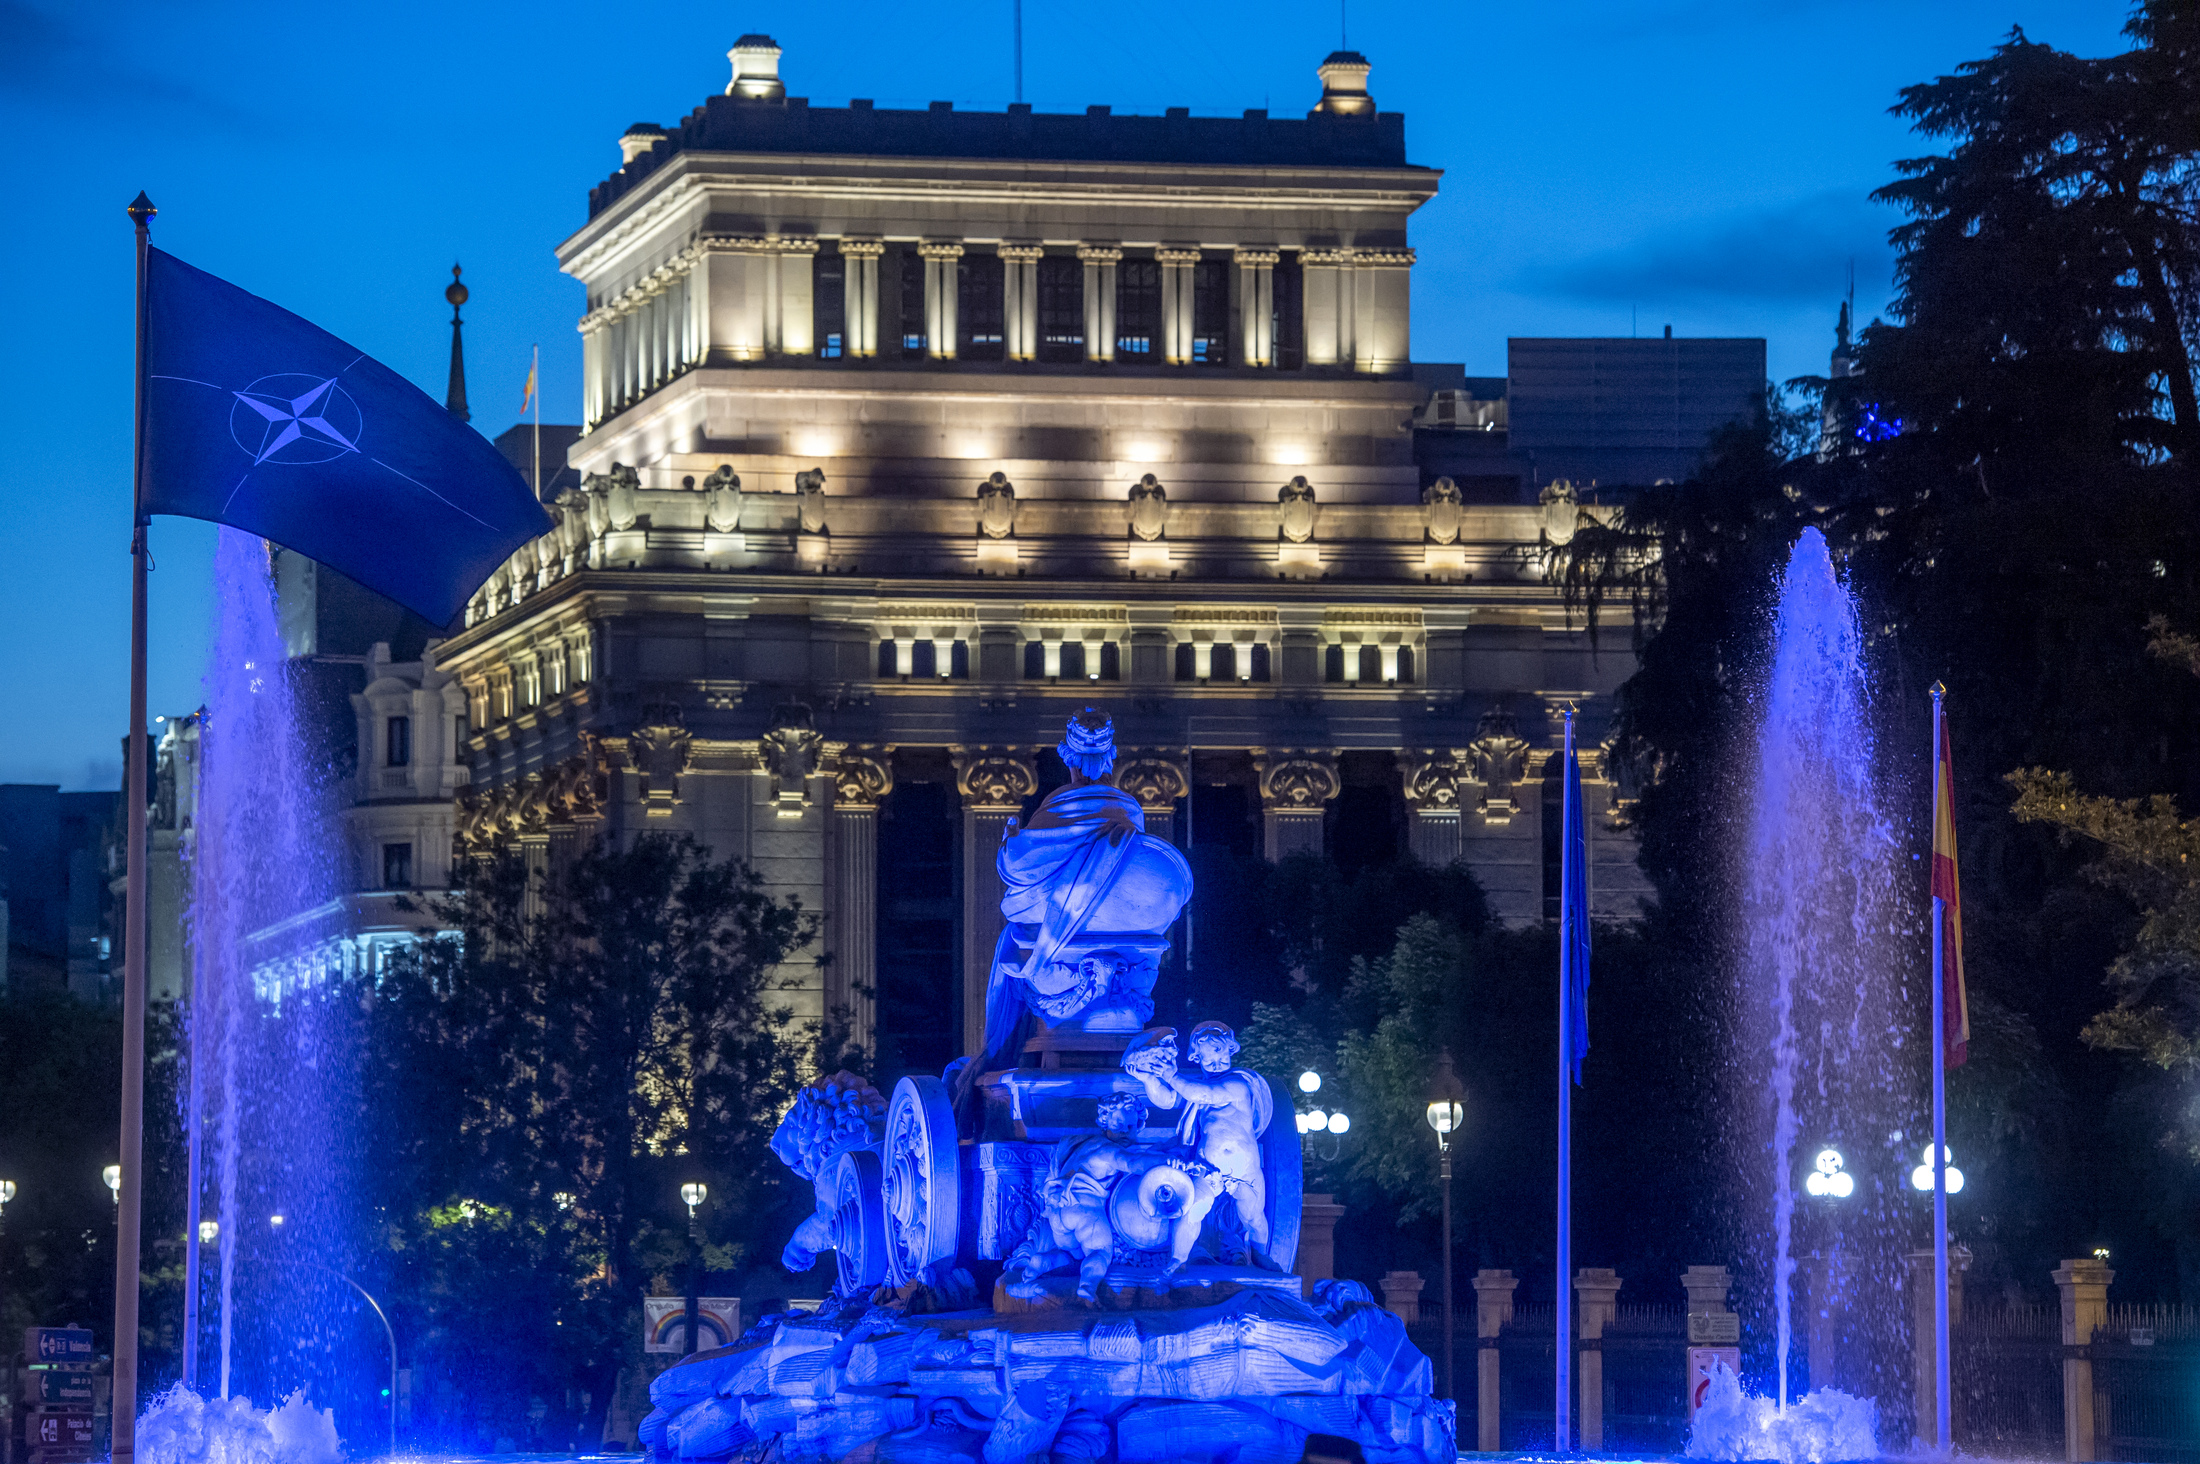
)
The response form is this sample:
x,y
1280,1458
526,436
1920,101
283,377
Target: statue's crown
x,y
1090,731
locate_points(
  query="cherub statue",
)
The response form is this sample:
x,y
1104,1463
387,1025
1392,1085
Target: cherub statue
x,y
1075,1227
1226,1110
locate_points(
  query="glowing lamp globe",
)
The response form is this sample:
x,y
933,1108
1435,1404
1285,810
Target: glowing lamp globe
x,y
112,1175
1444,1116
7,1190
1338,1123
209,1231
1828,1179
1922,1176
1310,1082
694,1194
1317,1122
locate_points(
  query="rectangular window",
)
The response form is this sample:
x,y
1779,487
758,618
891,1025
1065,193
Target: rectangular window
x,y
1288,322
829,305
397,743
1211,312
1035,660
979,308
1111,661
397,866
461,729
1073,660
1061,309
910,275
1138,310
924,659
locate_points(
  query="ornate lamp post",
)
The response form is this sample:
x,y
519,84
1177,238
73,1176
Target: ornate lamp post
x,y
1445,1114
1316,1122
693,1193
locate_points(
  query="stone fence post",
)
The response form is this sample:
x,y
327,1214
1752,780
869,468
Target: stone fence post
x,y
1597,1288
1402,1295
1493,1308
1318,1217
1922,1367
2083,1284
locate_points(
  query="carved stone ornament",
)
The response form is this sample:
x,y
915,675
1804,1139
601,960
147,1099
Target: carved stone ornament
x,y
1295,510
1155,782
1149,508
996,779
1499,758
1432,785
809,499
580,786
791,750
1441,511
621,488
860,780
1297,784
722,499
1561,510
997,507
659,752
922,1183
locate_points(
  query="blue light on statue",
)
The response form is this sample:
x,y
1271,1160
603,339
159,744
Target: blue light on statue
x,y
1872,427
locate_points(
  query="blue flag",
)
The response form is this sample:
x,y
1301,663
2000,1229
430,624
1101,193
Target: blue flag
x,y
260,420
1573,910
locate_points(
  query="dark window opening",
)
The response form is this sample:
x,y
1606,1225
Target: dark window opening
x,y
1333,664
1260,660
1138,309
400,742
1211,313
1035,660
461,729
919,905
1073,660
1111,661
979,308
889,658
924,659
1061,309
1405,663
911,315
1554,818
1371,665
829,305
958,661
397,866
1288,322
1187,665
1222,662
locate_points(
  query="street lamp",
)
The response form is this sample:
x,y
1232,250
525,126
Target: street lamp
x,y
1827,1179
1310,1081
694,1192
209,1231
1922,1176
1445,1113
112,1175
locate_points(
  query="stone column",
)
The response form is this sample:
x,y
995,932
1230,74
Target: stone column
x,y
593,369
1100,262
859,296
1597,1291
1157,781
1707,1288
1493,1308
1922,1364
940,270
1318,1217
1402,1295
2083,1284
1256,292
794,327
1328,306
1828,1277
1295,789
1433,781
861,780
994,782
1381,301
1176,304
1020,300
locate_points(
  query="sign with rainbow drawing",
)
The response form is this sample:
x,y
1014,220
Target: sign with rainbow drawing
x,y
664,1323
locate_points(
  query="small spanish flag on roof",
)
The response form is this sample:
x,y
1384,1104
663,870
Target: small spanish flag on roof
x,y
1955,1006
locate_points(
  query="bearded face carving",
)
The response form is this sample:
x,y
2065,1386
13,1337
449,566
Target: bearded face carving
x,y
1149,508
997,507
1295,510
1441,511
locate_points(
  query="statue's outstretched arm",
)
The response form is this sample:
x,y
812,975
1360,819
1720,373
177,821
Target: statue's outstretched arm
x,y
1210,1092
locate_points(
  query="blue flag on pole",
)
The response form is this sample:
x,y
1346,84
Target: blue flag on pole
x,y
260,420
1573,907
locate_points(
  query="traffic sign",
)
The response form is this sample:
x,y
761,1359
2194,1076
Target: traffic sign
x,y
58,1388
57,1344
45,1430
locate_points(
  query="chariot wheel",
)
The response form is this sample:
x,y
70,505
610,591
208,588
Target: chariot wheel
x,y
859,1222
921,1184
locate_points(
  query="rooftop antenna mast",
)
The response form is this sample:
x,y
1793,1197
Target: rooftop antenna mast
x,y
1019,10
1344,34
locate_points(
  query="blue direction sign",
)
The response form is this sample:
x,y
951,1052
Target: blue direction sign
x,y
57,1344
63,1389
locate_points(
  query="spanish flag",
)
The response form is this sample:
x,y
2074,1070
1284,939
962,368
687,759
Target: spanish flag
x,y
1955,1007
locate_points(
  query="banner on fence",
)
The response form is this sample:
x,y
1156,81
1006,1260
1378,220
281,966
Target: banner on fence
x,y
1702,1363
664,1323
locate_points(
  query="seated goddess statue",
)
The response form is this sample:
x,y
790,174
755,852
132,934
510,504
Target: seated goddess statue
x,y
1088,897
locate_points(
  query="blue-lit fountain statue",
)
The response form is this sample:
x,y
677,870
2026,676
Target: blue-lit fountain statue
x,y
1030,1265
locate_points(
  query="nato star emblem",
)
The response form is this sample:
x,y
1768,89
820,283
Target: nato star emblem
x,y
294,419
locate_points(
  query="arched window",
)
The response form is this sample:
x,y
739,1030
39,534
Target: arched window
x,y
1333,663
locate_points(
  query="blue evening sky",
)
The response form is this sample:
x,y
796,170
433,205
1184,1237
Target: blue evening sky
x,y
1702,163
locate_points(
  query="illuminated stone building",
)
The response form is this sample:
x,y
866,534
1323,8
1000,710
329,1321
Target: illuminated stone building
x,y
908,433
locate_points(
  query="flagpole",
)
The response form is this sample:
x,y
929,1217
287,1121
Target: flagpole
x,y
129,1196
1941,1379
1562,1312
534,380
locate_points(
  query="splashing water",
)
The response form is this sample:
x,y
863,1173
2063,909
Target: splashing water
x,y
1821,914
180,1427
1825,1427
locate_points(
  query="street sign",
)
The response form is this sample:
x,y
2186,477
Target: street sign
x,y
1714,1329
57,1344
64,1431
1703,1362
56,1388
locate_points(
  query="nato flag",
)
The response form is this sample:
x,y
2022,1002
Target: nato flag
x,y
260,420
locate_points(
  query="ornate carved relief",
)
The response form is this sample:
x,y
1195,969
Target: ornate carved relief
x,y
1149,508
809,499
620,486
722,499
862,778
1296,783
1295,510
992,777
1155,782
659,751
1433,783
997,507
1441,511
791,750
1499,758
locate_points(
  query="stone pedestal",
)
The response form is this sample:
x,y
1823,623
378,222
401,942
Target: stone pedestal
x,y
1826,1281
1402,1295
2083,1285
1596,1289
1318,1217
1493,1308
1922,1365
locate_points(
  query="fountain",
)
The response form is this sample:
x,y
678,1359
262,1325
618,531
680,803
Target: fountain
x,y
1820,1029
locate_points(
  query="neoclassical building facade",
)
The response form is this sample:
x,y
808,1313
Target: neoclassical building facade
x,y
909,433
